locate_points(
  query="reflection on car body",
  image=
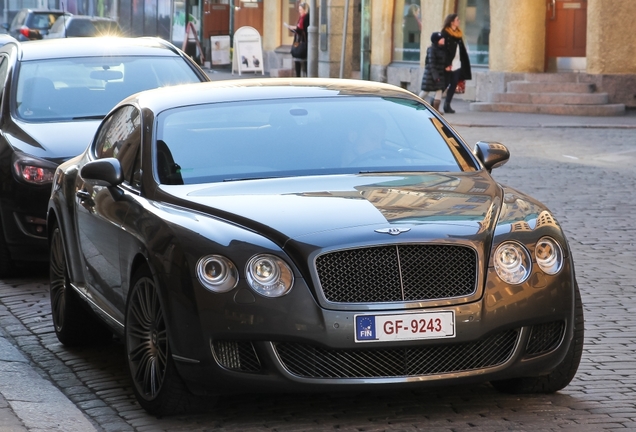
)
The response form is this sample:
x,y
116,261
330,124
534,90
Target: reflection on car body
x,y
55,94
252,253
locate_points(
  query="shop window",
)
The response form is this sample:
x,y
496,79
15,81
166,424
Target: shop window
x,y
407,29
474,18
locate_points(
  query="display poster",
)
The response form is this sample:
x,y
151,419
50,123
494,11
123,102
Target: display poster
x,y
220,50
248,51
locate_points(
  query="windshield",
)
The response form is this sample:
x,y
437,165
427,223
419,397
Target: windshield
x,y
278,138
76,88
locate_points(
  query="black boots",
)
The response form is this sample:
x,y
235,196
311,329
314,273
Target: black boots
x,y
447,108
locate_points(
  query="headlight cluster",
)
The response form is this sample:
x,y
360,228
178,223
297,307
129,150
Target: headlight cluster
x,y
266,274
217,273
513,263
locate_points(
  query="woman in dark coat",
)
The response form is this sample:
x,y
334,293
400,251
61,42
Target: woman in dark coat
x,y
434,79
457,61
300,35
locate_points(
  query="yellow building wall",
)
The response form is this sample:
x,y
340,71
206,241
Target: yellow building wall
x,y
517,35
382,32
272,24
611,40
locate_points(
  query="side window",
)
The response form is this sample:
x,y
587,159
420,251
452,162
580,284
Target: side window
x,y
120,137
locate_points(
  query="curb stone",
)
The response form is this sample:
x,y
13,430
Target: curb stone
x,y
28,402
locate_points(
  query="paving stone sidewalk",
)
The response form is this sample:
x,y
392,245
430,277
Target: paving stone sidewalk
x,y
29,402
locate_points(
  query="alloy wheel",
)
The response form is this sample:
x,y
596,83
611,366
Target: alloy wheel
x,y
146,339
58,280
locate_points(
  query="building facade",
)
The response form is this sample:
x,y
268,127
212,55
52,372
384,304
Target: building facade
x,y
386,40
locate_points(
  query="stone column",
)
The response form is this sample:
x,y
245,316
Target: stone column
x,y
611,40
517,35
272,25
381,38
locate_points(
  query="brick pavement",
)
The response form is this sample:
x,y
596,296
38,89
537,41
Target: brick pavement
x,y
583,174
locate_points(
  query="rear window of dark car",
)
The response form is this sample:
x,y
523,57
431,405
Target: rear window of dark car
x,y
41,21
72,88
81,28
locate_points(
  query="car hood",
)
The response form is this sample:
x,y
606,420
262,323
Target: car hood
x,y
312,209
55,141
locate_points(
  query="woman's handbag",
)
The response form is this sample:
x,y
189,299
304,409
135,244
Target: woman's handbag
x,y
461,87
299,48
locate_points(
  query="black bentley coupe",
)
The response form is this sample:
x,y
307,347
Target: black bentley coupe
x,y
306,235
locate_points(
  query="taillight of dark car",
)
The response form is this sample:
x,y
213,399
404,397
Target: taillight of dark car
x,y
33,171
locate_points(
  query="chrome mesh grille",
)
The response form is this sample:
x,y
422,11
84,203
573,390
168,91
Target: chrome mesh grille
x,y
239,356
314,362
545,337
397,273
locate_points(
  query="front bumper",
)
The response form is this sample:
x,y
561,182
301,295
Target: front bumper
x,y
292,344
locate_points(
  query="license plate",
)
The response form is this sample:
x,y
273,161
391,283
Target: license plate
x,y
410,326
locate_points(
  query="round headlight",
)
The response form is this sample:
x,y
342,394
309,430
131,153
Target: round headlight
x,y
549,255
217,273
269,275
512,263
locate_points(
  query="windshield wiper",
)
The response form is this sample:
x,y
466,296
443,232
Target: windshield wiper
x,y
253,178
91,117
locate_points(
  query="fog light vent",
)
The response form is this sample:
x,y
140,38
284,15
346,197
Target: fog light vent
x,y
236,355
545,338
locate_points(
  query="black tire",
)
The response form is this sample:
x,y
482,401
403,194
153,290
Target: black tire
x,y
564,372
157,384
74,324
7,266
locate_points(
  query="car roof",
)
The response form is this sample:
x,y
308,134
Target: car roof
x,y
164,98
43,11
92,46
89,18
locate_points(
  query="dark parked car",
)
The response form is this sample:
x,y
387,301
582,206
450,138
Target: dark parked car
x,y
55,94
301,235
84,26
32,24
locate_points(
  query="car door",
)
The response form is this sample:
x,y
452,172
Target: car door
x,y
101,210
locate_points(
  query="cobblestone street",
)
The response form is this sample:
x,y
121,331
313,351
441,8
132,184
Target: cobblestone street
x,y
586,177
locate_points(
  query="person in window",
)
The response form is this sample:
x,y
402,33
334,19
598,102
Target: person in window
x,y
412,29
365,140
300,36
457,61
434,79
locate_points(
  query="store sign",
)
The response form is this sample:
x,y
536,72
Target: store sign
x,y
248,51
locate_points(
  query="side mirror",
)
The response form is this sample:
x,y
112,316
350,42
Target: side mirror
x,y
105,171
491,154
